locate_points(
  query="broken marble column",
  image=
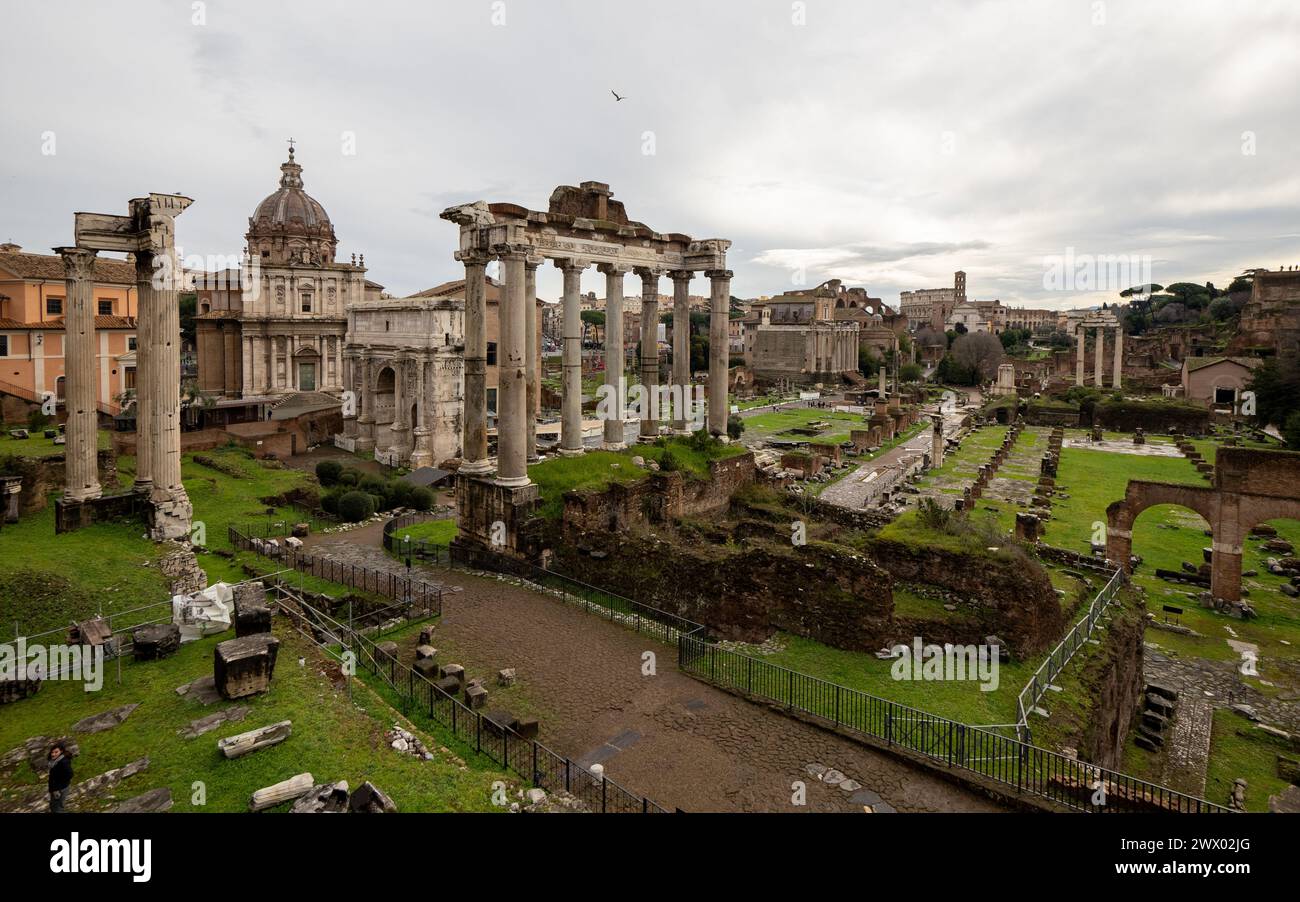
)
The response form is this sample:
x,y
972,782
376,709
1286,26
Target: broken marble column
x,y
279,793
719,349
263,737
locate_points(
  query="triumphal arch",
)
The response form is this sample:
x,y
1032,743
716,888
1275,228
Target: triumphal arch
x,y
582,227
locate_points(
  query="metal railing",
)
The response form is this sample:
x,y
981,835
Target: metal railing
x,y
1060,656
406,589
1001,759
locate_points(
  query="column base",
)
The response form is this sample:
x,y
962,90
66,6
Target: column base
x,y
476,468
572,452
171,518
364,445
492,517
420,459
87,494
614,446
513,482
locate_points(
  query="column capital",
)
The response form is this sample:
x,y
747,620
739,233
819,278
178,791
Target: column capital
x,y
681,275
512,251
715,275
78,262
615,269
533,261
570,264
650,272
474,257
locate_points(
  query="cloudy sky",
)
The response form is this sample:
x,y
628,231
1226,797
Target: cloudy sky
x,y
886,144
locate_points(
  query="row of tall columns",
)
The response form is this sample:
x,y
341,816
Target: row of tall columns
x,y
518,393
1099,364
82,427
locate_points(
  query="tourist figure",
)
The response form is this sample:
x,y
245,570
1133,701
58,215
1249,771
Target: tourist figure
x,y
60,776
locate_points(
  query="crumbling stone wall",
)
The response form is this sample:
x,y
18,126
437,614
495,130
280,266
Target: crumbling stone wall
x,y
745,591
45,475
180,567
1015,597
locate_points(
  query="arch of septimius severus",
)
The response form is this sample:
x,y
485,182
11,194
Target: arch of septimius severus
x,y
148,232
581,228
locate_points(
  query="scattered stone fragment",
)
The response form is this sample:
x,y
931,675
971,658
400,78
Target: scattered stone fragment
x,y
369,799
203,690
36,752
152,643
244,666
106,720
151,802
506,677
207,724
331,798
833,778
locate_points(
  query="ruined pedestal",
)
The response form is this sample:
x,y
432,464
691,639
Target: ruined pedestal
x,y
252,613
243,667
18,685
492,516
150,643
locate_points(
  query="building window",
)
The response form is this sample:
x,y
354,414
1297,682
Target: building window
x,y
492,401
1225,396
105,307
4,345
306,302
130,343
492,353
54,306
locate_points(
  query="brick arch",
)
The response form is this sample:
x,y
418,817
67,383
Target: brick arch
x,y
1141,495
1262,510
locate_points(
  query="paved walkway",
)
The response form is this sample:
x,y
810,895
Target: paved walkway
x,y
862,486
671,737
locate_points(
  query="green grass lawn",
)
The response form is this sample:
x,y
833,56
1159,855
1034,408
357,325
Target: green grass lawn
x,y
1252,756
334,738
37,445
431,532
770,425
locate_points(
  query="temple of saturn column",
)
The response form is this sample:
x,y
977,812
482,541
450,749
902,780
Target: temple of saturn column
x,y
148,232
583,227
1100,322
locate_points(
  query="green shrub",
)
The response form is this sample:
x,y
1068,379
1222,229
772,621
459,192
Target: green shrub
x,y
356,506
349,476
421,498
327,472
375,485
399,493
735,426
329,501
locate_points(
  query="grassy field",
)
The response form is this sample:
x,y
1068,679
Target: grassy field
x,y
37,445
771,425
334,738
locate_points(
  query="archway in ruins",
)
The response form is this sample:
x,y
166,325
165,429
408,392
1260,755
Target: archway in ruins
x,y
1168,536
385,389
1250,487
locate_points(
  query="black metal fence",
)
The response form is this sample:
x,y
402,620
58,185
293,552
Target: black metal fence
x,y
1015,764
406,589
422,550
529,758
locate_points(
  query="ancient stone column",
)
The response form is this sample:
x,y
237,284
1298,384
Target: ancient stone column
x,y
571,402
144,374
937,442
532,354
649,352
682,348
1119,356
1078,355
400,430
366,398
719,315
614,405
246,387
350,385
81,469
882,391
512,375
422,453
474,442
1098,364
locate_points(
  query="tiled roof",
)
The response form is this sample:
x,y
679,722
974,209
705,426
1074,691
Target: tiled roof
x,y
1200,363
50,266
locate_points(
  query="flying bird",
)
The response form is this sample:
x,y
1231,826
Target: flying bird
x,y
616,97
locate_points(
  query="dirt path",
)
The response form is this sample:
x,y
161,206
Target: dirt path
x,y
675,739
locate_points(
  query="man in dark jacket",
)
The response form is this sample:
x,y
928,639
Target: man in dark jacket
x,y
60,776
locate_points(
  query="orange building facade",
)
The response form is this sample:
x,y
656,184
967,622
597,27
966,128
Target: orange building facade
x,y
33,295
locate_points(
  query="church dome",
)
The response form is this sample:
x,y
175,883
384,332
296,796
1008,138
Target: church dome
x,y
291,226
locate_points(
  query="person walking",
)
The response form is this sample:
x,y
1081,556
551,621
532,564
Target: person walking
x,y
60,776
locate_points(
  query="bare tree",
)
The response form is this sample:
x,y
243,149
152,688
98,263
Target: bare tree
x,y
978,351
